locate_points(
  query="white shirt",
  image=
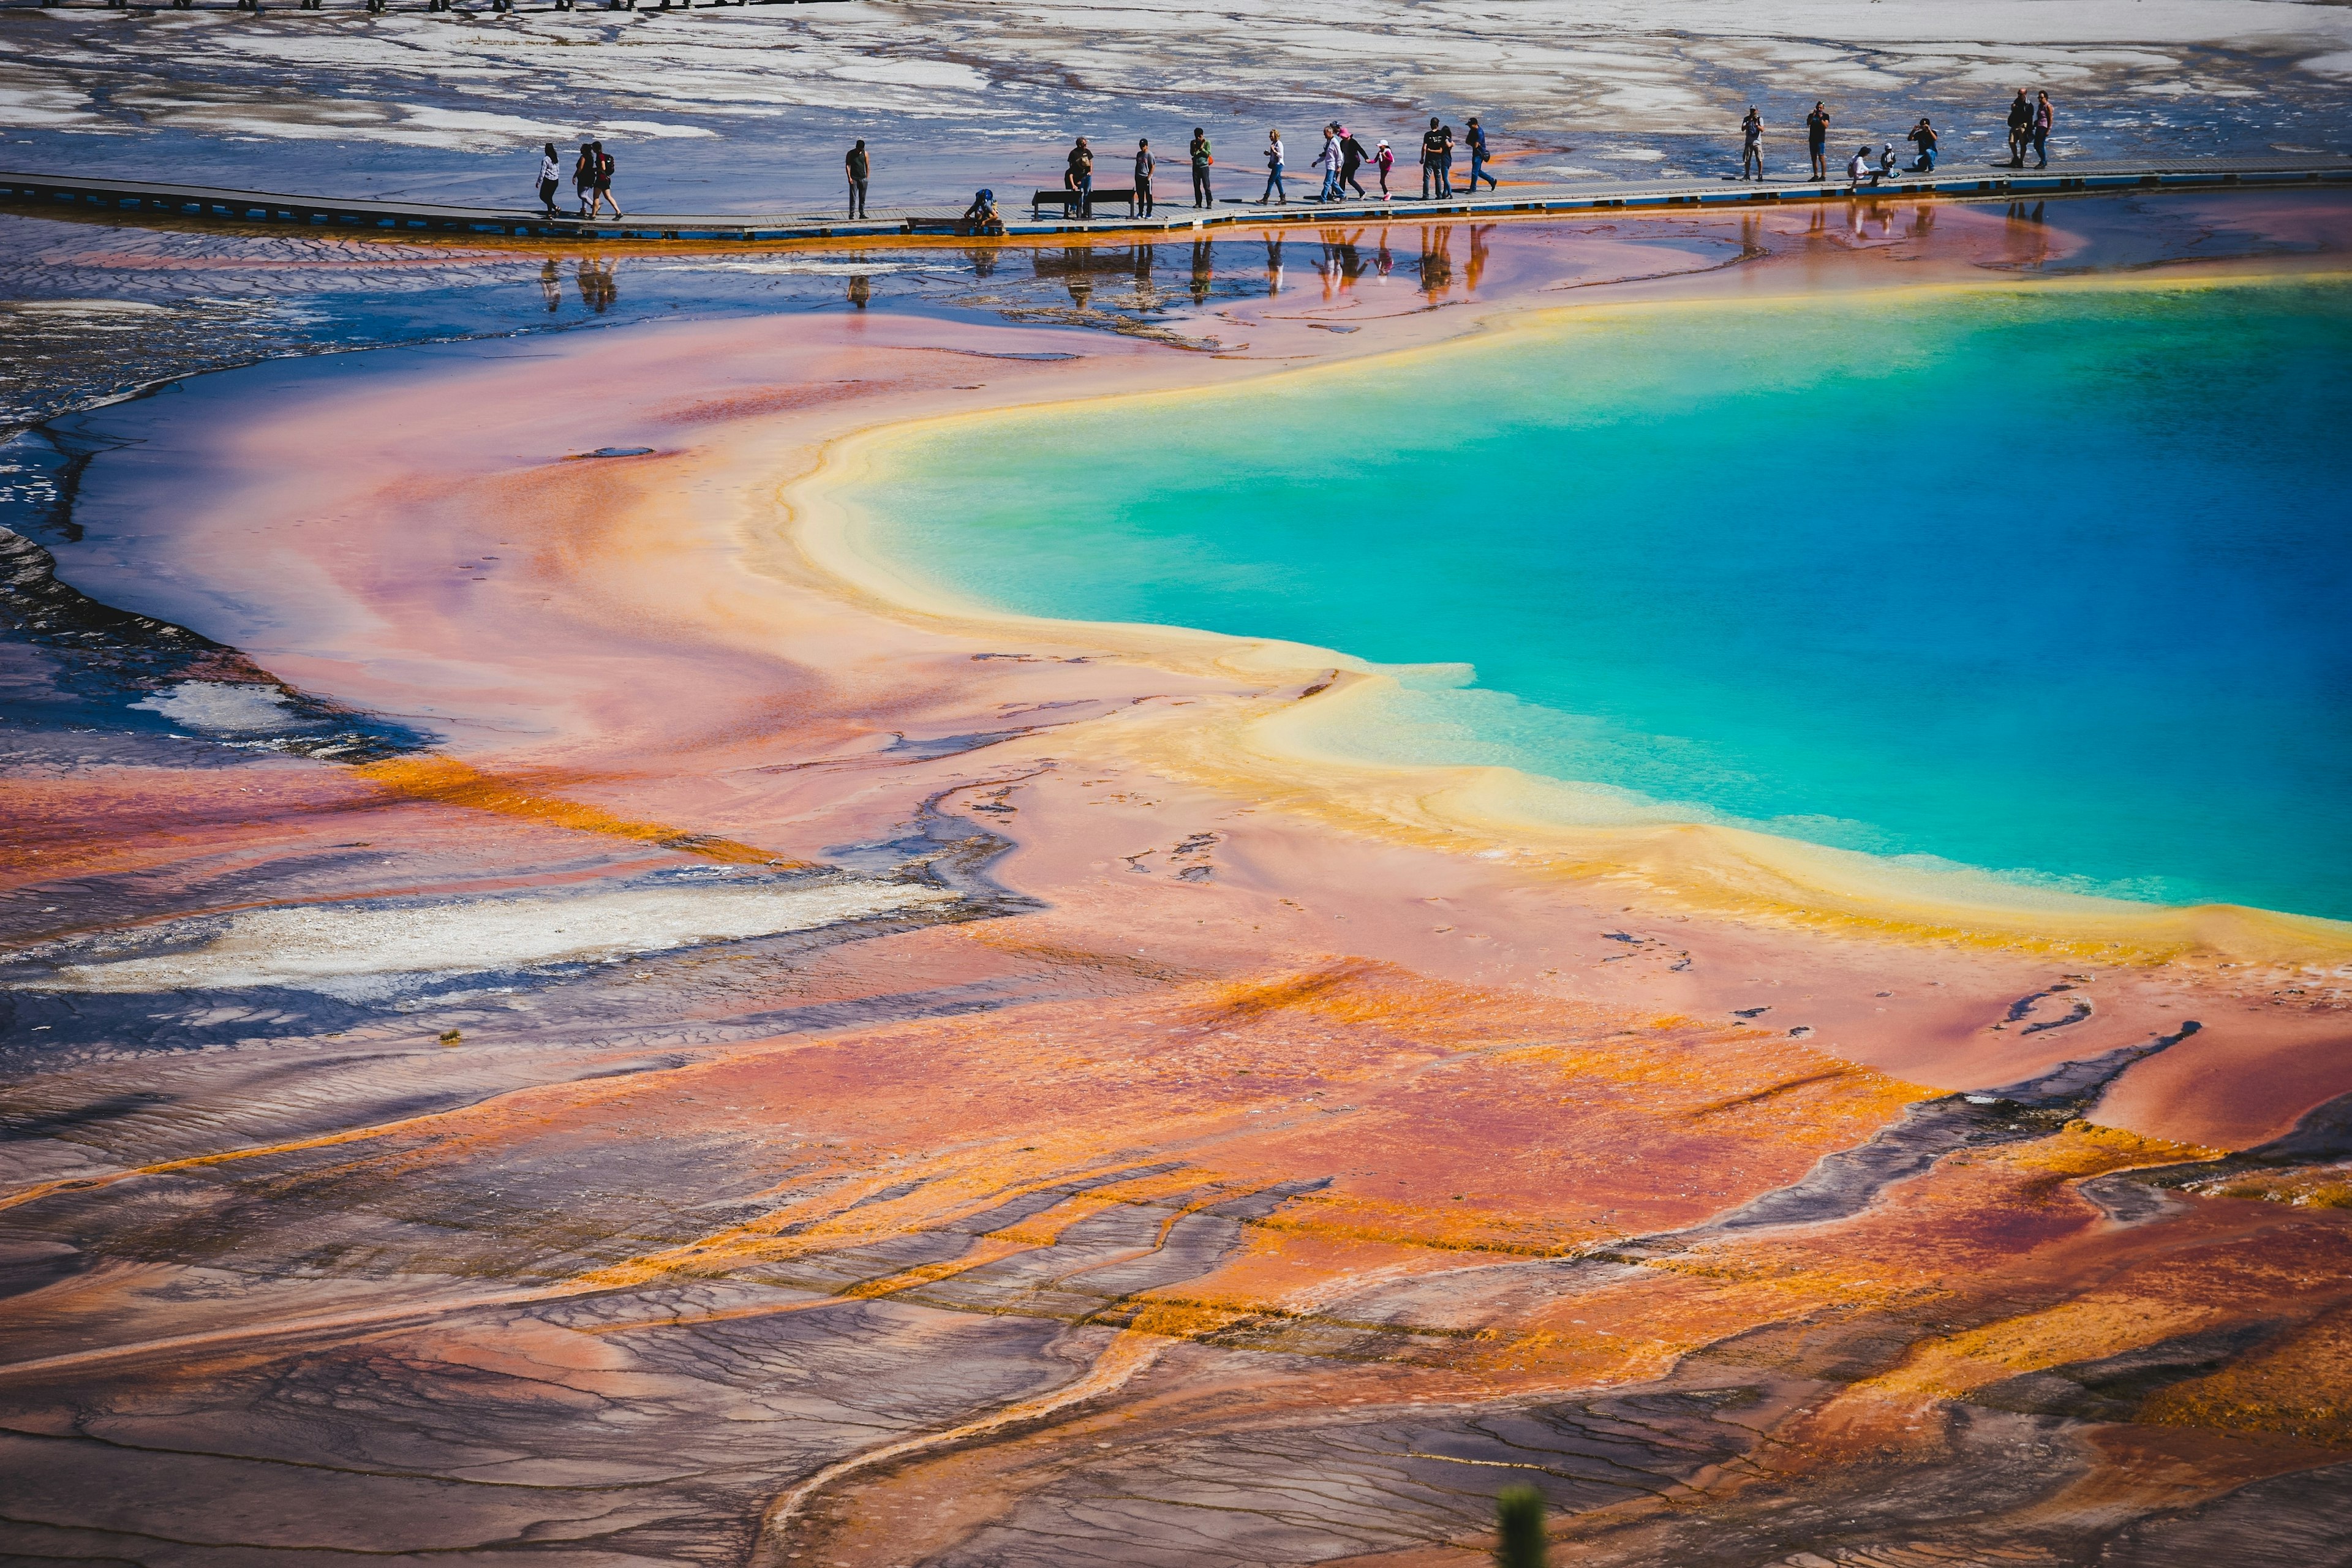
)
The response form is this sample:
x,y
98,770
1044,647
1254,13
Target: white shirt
x,y
1273,154
1856,167
548,168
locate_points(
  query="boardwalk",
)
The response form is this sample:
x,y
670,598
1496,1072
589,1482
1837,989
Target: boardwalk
x,y
133,200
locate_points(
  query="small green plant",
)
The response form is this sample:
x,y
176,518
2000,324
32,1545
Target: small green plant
x,y
1519,1528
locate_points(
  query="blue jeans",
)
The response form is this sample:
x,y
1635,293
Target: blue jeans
x,y
1086,196
1330,185
1274,185
2042,147
1479,172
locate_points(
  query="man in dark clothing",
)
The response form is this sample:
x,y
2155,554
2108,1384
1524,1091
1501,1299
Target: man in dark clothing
x,y
861,169
2020,129
1201,159
1146,166
1817,139
1477,137
1351,158
1434,144
1081,177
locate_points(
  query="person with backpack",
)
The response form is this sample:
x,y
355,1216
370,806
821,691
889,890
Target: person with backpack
x,y
1145,164
583,176
2020,129
1477,137
859,168
1202,158
1752,145
550,177
603,192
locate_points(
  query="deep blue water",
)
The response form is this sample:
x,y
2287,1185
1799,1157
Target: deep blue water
x,y
2047,581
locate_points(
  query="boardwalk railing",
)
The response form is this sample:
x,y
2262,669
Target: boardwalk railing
x,y
134,200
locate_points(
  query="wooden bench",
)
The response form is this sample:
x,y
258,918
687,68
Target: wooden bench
x,y
1068,200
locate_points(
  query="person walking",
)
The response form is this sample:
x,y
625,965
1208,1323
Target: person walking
x,y
1274,185
1080,176
2020,129
550,177
2046,115
1446,163
1145,163
1817,139
860,168
1201,161
1351,159
1327,160
604,195
583,176
1752,145
1477,137
1384,159
1923,136
1433,148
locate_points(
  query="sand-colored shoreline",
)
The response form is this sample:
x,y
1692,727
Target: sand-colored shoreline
x,y
1300,752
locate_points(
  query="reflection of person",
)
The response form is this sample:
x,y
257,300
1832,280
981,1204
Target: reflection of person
x,y
1817,139
551,286
1752,145
860,168
1201,159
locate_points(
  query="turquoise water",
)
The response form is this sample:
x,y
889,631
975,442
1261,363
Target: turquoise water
x,y
2048,582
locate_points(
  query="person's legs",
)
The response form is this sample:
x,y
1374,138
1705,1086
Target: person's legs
x,y
1201,196
1355,184
1087,196
1143,198
2040,147
1428,178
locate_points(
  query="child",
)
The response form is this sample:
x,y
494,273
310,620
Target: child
x,y
1384,161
